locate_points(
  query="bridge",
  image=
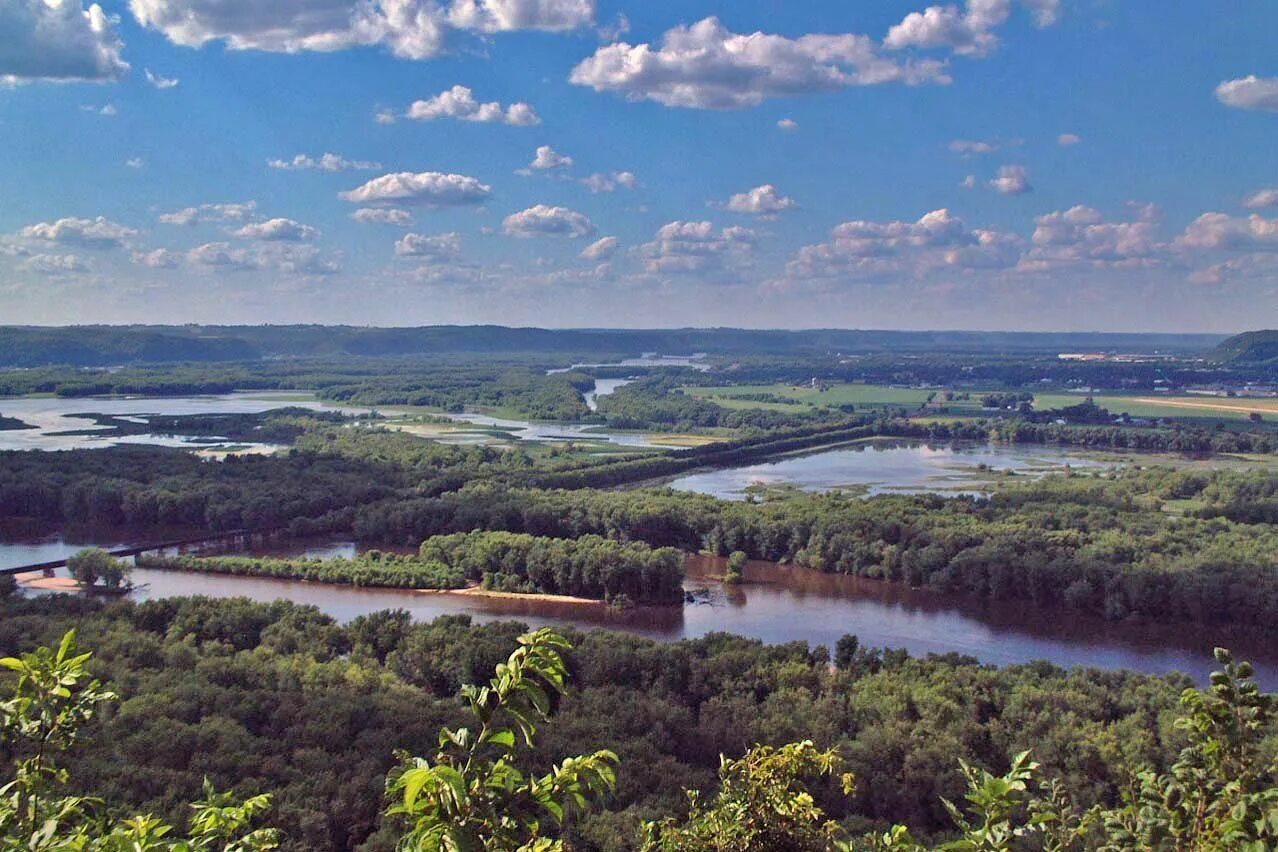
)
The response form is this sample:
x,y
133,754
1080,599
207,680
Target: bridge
x,y
230,536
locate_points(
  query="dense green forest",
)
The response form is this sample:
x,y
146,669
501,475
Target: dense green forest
x,y
589,567
280,700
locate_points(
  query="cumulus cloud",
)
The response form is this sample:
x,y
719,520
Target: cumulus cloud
x,y
1259,93
156,259
161,82
1080,236
548,159
135,163
493,16
275,257
542,220
324,163
1067,139
870,250
439,247
1222,231
382,216
972,147
706,66
433,189
788,124
600,249
409,29
106,109
1262,198
237,212
1012,180
59,42
610,181
968,31
99,233
287,230
53,264
459,103
696,247
761,201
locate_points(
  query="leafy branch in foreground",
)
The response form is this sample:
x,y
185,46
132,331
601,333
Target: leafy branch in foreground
x,y
471,795
52,699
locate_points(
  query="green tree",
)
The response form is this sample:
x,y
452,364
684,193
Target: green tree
x,y
761,804
471,796
52,699
94,564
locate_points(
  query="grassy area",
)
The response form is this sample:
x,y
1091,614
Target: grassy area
x,y
801,397
1147,405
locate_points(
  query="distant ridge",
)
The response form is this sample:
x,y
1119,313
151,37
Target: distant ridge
x,y
1250,347
98,346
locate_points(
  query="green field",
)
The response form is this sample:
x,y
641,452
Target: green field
x,y
802,397
1181,407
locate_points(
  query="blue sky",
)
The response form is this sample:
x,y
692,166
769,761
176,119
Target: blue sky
x,y
1034,164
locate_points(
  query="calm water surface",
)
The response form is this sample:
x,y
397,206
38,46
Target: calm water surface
x,y
892,467
775,604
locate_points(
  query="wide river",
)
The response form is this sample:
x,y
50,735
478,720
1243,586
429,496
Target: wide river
x,y
54,416
776,604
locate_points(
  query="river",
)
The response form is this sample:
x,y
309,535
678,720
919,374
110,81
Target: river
x,y
776,604
896,467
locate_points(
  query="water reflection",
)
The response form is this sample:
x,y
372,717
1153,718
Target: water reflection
x,y
776,604
894,467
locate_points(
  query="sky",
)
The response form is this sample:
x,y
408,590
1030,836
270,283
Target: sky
x,y
996,164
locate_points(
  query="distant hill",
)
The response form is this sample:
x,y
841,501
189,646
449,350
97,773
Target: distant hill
x,y
98,346
1251,347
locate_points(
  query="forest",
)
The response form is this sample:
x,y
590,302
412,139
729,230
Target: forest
x,y
280,701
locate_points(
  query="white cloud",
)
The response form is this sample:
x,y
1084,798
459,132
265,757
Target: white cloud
x,y
706,66
1079,236
410,29
459,103
696,247
382,216
107,109
90,233
324,163
610,181
972,147
601,249
1222,231
1067,139
53,264
491,16
440,246
291,259
1262,198
967,31
156,259
160,82
868,250
548,159
1260,93
58,41
434,189
542,220
970,182
788,124
761,201
287,230
1012,180
135,163
210,213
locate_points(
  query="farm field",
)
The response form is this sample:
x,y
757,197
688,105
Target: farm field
x,y
1211,407
800,397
